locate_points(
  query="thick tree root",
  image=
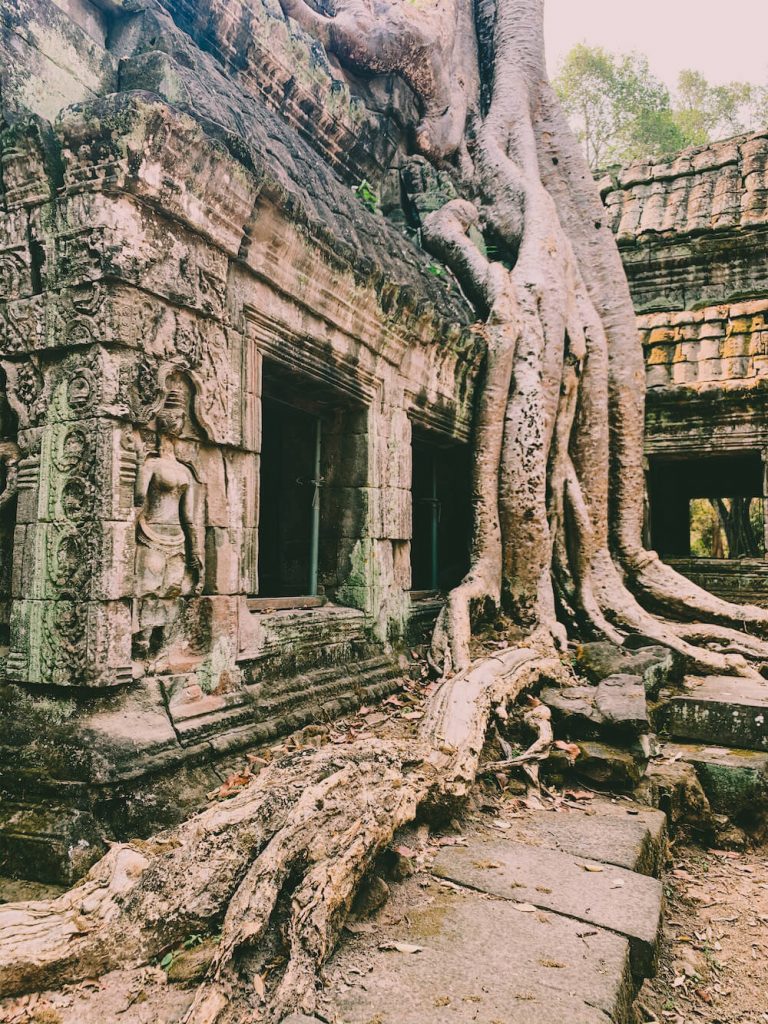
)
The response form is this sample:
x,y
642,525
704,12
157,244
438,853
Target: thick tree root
x,y
304,832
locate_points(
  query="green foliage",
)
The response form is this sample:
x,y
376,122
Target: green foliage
x,y
726,527
707,112
368,195
436,269
616,106
621,112
189,943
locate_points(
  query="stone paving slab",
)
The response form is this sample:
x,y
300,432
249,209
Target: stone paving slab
x,y
599,894
723,710
606,832
481,961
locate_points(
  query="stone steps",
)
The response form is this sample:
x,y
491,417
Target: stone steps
x,y
735,782
723,710
556,920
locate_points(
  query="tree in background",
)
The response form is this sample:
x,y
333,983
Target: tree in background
x,y
706,112
616,106
621,112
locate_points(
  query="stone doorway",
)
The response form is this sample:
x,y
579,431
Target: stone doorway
x,y
442,515
289,513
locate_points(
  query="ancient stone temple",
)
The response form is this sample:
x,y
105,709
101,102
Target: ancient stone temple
x,y
693,234
235,401
236,397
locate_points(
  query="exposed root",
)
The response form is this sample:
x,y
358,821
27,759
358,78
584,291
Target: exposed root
x,y
727,641
539,720
308,828
666,591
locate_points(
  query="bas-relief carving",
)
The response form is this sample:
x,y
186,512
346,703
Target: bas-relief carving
x,y
170,542
9,485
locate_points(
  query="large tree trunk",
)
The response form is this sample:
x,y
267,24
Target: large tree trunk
x,y
558,504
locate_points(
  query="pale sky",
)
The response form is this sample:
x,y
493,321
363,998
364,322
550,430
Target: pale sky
x,y
724,39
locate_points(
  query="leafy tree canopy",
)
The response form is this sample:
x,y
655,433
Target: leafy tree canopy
x,y
622,112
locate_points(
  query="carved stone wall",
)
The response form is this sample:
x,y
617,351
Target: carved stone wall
x,y
693,234
177,213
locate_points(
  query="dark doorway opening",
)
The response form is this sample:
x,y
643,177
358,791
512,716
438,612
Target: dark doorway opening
x,y
313,492
442,515
707,507
289,500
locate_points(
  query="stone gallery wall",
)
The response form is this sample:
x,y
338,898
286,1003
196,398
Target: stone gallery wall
x,y
220,348
693,235
182,251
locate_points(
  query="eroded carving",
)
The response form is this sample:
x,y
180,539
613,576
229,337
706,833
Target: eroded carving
x,y
169,534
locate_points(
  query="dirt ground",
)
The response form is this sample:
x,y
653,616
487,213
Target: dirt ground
x,y
714,961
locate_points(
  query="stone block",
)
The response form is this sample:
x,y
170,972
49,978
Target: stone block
x,y
49,843
479,959
608,766
608,896
573,709
675,789
724,710
223,549
657,666
70,643
735,781
395,519
623,834
620,699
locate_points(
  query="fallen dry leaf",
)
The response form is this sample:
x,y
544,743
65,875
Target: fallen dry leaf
x,y
401,947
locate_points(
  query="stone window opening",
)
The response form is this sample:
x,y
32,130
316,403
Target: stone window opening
x,y
313,491
727,528
440,492
708,507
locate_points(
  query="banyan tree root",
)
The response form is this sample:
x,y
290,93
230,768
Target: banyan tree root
x,y
275,867
558,476
538,719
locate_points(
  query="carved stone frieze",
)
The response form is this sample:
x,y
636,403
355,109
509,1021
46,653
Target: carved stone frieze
x,y
15,273
170,530
26,391
29,163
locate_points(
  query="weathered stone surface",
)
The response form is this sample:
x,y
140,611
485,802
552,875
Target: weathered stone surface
x,y
48,843
604,832
480,959
608,766
612,709
574,709
620,699
675,789
735,781
656,665
609,896
722,710
12,890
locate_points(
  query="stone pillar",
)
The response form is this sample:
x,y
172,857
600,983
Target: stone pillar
x,y
71,619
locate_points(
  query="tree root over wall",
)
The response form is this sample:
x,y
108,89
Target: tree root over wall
x,y
558,502
277,866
